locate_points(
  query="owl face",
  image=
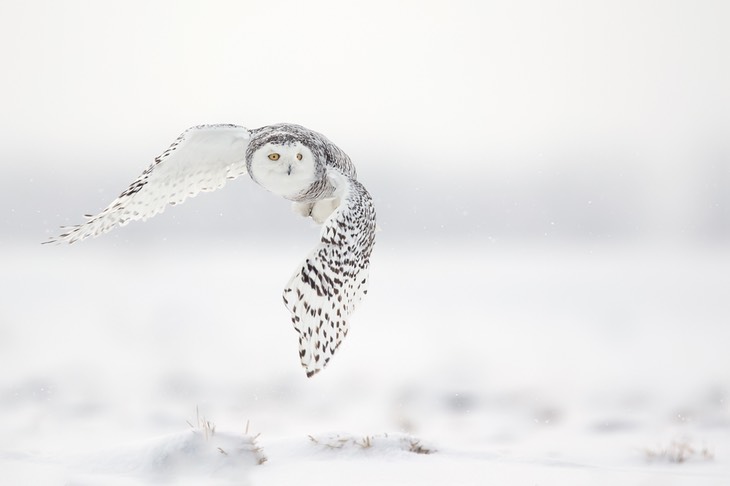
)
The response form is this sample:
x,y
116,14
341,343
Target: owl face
x,y
284,169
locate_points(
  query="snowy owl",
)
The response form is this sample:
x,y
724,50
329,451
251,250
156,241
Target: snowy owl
x,y
291,161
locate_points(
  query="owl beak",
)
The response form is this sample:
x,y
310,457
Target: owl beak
x,y
288,172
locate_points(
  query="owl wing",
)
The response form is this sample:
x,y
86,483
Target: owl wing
x,y
202,158
333,279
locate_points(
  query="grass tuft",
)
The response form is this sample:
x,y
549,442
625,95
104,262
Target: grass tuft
x,y
402,442
418,448
678,451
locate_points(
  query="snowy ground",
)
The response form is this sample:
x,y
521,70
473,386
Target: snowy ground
x,y
487,364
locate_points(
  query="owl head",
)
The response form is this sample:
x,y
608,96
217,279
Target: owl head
x,y
283,164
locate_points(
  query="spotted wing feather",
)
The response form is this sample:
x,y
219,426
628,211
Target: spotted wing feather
x,y
202,158
333,279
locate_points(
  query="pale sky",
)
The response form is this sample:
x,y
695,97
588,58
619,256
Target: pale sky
x,y
470,89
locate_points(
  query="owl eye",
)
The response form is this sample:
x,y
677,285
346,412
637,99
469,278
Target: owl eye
x,y
274,156
299,156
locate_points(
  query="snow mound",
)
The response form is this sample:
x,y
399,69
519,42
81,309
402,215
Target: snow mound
x,y
204,455
196,453
381,443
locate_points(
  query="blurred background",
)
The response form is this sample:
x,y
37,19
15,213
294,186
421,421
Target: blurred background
x,y
528,120
552,181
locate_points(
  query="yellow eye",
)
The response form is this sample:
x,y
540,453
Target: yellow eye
x,y
274,156
299,156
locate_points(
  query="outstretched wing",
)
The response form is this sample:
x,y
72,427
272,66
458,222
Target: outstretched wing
x,y
333,279
203,158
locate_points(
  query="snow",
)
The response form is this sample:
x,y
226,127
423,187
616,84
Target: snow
x,y
508,364
549,293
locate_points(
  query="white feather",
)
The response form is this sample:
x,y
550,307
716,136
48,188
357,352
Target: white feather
x,y
202,158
